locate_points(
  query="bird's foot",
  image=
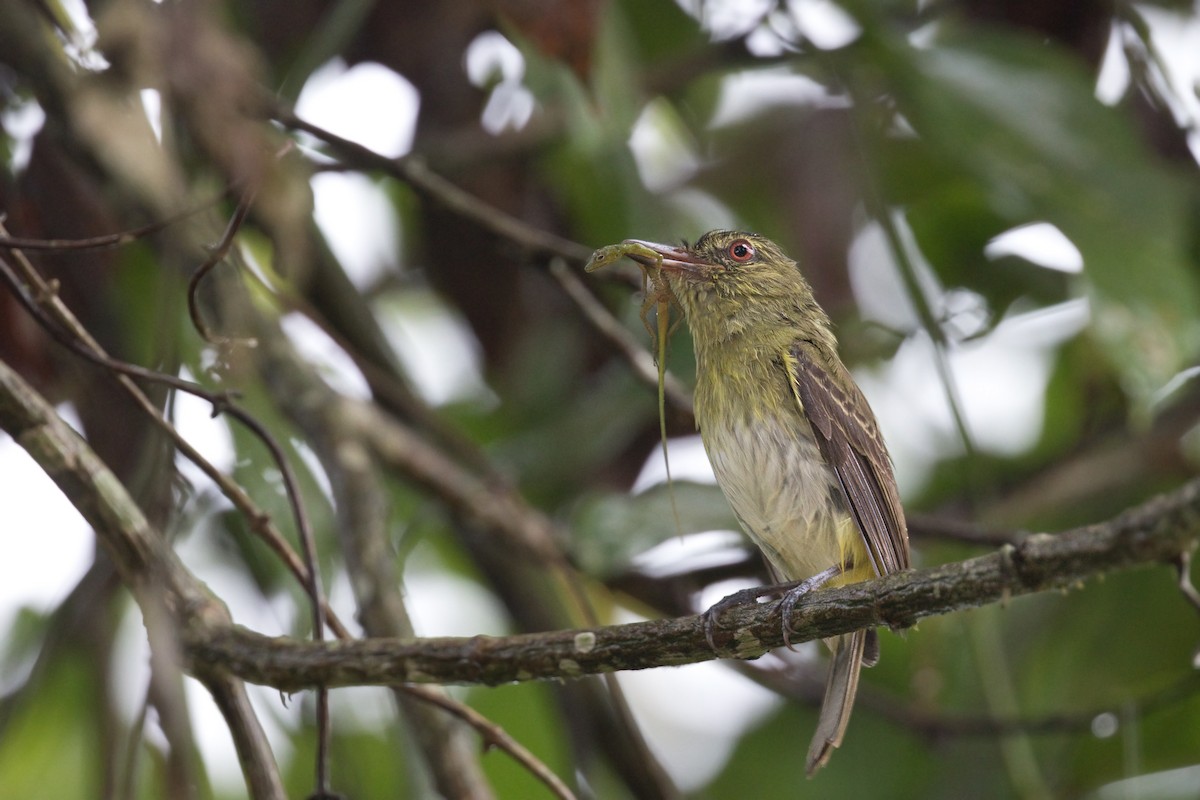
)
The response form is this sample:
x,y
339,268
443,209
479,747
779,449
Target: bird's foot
x,y
738,598
787,603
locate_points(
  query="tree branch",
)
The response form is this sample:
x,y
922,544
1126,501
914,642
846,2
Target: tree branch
x,y
1153,533
1158,531
362,526
147,565
40,299
557,249
413,171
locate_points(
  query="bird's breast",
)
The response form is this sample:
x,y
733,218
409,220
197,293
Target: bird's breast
x,y
776,480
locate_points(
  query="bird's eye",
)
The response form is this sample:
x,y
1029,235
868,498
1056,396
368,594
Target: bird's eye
x,y
741,251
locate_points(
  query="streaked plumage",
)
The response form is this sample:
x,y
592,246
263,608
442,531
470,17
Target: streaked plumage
x,y
792,441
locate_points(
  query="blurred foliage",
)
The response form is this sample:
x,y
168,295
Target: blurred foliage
x,y
955,123
613,529
45,737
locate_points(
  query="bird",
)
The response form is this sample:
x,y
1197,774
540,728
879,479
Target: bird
x,y
793,442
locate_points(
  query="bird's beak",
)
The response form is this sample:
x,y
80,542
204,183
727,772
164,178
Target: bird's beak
x,y
679,260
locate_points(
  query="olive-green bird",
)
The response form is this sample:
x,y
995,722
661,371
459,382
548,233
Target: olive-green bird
x,y
793,442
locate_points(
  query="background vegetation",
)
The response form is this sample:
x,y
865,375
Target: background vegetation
x,y
466,414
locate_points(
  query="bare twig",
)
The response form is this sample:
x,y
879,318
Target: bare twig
x,y
217,254
67,331
494,508
231,699
929,526
494,736
106,242
610,328
414,172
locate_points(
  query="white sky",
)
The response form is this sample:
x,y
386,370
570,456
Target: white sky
x,y
48,547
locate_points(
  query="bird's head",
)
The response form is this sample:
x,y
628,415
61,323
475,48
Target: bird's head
x,y
733,283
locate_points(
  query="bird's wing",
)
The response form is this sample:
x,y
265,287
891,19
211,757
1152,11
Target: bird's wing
x,y
848,437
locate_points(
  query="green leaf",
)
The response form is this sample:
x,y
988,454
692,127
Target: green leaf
x,y
609,530
1020,118
527,711
48,745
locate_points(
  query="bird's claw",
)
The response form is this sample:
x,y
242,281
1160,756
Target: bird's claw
x,y
791,594
738,598
791,598
724,604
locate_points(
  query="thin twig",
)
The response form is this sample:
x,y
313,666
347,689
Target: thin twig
x,y
232,700
929,526
107,241
414,172
493,736
610,328
66,330
217,254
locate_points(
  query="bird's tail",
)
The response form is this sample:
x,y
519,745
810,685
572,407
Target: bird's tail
x,y
840,689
